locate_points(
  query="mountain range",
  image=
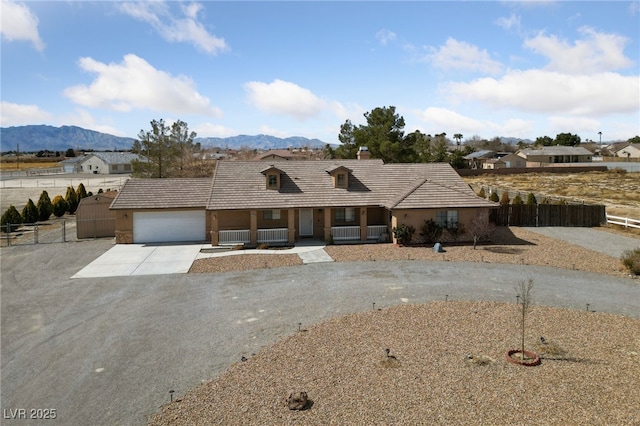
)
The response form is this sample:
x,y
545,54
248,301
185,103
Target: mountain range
x,y
34,138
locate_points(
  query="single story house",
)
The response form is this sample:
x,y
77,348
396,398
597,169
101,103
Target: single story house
x,y
513,160
275,155
555,155
476,160
253,202
108,162
630,151
494,164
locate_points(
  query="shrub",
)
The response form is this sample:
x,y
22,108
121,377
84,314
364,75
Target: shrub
x,y
45,207
10,217
404,234
504,199
81,192
631,260
30,213
494,197
72,200
430,231
456,232
60,206
531,199
518,200
481,193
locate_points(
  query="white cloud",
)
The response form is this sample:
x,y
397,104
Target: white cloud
x,y
385,36
442,119
456,54
176,29
210,130
634,7
283,97
20,115
83,118
512,22
18,23
551,92
561,124
135,84
596,52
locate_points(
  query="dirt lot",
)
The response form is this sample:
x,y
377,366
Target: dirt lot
x,y
619,191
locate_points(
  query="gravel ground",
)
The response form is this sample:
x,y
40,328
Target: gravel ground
x,y
590,378
508,245
588,374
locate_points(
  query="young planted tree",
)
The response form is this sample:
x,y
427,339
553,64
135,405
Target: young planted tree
x,y
504,199
30,212
60,206
481,193
12,218
481,229
524,306
517,200
45,207
531,199
72,200
494,197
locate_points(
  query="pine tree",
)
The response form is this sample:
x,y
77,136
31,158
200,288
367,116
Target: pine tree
x,y
504,200
494,197
81,192
481,193
45,207
60,206
72,200
10,217
518,200
531,199
30,212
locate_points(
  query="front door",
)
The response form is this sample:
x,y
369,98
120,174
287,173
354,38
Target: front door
x,y
306,222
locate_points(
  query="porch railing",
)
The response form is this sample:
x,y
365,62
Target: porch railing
x,y
276,235
374,231
240,236
345,233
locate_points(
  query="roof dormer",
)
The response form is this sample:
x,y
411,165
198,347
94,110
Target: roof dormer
x,y
272,177
339,176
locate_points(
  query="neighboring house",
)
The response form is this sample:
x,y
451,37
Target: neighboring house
x,y
72,164
93,217
555,155
250,202
476,160
108,162
513,160
629,151
493,164
275,155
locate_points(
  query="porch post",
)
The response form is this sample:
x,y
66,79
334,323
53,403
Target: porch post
x,y
363,224
327,224
291,225
253,232
215,237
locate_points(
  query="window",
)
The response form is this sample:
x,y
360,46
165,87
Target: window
x,y
447,218
271,214
346,215
341,180
272,181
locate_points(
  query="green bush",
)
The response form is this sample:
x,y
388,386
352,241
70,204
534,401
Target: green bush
x,y
72,200
60,206
482,194
45,207
30,213
10,217
531,199
81,192
404,234
430,231
517,200
494,197
456,232
631,260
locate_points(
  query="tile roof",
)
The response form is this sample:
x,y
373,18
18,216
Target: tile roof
x,y
556,150
115,157
163,193
241,185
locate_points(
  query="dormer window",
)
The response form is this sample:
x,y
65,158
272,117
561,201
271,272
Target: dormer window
x,y
272,176
339,176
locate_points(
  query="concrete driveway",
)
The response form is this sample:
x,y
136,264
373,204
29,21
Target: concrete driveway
x,y
161,259
107,350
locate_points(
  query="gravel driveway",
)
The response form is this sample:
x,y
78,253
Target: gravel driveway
x,y
108,350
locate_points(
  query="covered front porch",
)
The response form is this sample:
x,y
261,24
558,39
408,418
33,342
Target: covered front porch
x,y
286,226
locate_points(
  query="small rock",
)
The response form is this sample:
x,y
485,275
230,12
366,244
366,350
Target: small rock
x,y
297,401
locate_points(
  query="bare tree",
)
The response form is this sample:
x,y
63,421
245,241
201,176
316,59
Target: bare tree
x,y
524,305
480,228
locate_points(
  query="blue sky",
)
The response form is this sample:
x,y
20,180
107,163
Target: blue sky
x,y
516,68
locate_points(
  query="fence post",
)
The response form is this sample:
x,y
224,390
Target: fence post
x,y
64,231
35,234
8,234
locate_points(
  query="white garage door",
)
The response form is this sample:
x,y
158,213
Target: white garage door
x,y
164,227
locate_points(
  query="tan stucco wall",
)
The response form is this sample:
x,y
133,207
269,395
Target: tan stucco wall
x,y
417,217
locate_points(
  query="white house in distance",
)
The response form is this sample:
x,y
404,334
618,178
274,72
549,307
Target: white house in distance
x,y
556,155
630,151
108,162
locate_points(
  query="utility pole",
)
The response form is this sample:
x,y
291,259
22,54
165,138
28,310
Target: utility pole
x,y
600,134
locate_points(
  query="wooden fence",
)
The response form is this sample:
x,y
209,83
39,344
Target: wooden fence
x,y
550,215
